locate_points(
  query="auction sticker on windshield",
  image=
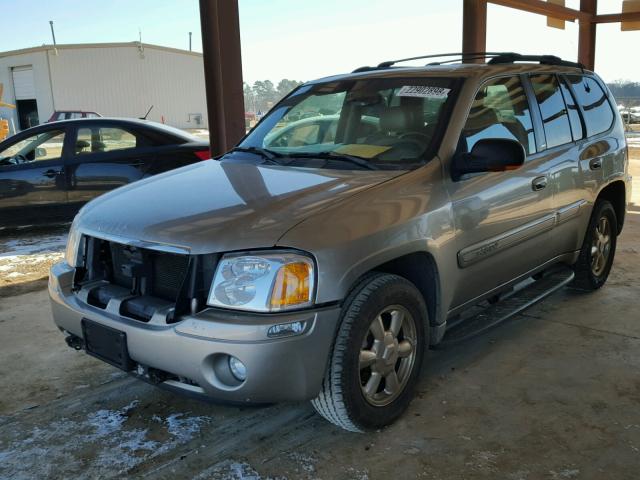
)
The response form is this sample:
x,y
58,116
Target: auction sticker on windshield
x,y
423,91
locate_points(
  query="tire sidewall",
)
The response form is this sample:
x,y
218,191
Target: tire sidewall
x,y
362,413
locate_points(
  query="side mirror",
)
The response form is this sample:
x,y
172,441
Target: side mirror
x,y
41,152
489,155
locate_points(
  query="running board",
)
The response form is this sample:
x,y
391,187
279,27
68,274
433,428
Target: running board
x,y
507,308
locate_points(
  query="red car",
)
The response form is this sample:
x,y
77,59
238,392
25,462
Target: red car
x,y
71,115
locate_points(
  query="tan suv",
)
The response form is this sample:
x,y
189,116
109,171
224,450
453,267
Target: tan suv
x,y
367,217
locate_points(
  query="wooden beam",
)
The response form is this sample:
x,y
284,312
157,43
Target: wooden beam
x,y
556,22
617,17
587,35
474,28
544,8
220,25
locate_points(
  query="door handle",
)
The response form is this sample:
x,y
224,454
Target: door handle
x,y
539,183
595,164
51,173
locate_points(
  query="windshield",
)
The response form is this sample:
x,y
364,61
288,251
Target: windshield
x,y
388,122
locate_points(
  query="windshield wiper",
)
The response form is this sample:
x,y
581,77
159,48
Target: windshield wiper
x,y
263,152
359,161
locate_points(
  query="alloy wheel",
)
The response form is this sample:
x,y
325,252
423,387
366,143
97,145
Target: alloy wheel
x,y
600,246
387,355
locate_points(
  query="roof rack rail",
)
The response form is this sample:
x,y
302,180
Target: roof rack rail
x,y
495,58
390,63
542,59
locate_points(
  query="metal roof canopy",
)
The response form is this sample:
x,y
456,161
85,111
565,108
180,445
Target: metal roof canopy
x,y
223,64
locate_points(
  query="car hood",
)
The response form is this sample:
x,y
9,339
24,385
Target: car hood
x,y
216,206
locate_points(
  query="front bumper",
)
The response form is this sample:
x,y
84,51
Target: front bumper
x,y
195,348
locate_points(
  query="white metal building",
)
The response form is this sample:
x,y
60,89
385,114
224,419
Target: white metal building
x,y
112,79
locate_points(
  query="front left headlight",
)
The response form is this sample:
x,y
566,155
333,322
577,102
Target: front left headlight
x,y
263,282
72,254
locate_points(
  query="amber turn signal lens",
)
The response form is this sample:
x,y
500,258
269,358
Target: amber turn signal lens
x,y
292,285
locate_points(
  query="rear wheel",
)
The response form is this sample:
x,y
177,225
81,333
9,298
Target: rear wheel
x,y
598,249
377,355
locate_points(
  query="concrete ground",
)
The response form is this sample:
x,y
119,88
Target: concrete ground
x,y
554,394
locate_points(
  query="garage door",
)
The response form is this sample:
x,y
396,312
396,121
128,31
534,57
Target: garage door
x,y
23,84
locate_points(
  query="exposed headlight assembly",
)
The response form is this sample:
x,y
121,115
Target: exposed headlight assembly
x,y
73,254
263,282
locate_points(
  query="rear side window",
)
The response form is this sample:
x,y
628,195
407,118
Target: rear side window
x,y
598,115
552,109
574,114
500,110
103,139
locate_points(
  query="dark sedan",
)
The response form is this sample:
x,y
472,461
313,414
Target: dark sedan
x,y
48,172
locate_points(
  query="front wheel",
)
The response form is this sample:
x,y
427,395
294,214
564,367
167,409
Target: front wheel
x,y
377,355
598,249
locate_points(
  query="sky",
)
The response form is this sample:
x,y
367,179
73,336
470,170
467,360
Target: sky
x,y
307,39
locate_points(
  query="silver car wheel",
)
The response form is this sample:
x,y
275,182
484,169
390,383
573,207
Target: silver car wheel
x,y
387,355
600,246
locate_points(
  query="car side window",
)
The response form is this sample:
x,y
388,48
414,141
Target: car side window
x,y
103,139
574,113
553,110
500,110
44,146
598,114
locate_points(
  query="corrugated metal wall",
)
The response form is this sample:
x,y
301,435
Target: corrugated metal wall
x,y
124,81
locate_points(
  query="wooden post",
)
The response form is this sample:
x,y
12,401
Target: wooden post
x,y
220,25
587,35
474,27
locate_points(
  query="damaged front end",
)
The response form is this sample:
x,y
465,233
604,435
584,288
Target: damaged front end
x,y
143,284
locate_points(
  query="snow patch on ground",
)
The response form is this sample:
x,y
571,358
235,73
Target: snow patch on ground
x,y
232,470
29,245
566,473
107,422
103,443
306,462
29,256
183,428
356,474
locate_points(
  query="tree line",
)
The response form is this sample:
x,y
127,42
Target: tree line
x,y
263,94
625,92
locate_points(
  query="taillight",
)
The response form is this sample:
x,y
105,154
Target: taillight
x,y
203,154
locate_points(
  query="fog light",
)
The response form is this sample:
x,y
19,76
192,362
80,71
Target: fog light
x,y
238,369
286,329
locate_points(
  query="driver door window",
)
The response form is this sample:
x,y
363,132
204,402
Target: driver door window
x,y
44,146
500,110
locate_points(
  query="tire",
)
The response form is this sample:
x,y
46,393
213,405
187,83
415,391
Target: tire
x,y
589,274
379,299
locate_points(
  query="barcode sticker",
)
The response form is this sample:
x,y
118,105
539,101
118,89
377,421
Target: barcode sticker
x,y
422,91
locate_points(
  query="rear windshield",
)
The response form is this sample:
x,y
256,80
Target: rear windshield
x,y
390,123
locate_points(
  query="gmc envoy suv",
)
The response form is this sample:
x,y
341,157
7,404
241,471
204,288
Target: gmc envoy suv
x,y
366,218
